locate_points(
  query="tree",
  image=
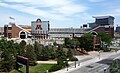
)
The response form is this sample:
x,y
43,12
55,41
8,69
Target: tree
x,y
54,43
75,42
7,56
44,55
38,49
105,40
87,41
67,42
71,43
115,67
22,48
61,56
69,54
51,50
30,53
8,61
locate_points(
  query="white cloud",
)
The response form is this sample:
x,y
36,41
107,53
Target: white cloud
x,y
20,20
34,11
57,9
45,3
96,0
116,12
70,9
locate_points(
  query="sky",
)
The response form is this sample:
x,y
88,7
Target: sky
x,y
60,13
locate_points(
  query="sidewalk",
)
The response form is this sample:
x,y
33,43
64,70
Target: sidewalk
x,y
86,60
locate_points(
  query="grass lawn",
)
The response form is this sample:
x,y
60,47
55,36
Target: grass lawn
x,y
39,68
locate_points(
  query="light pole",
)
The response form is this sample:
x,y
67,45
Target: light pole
x,y
75,63
67,63
99,54
78,63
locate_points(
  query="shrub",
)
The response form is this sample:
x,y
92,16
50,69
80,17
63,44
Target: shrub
x,y
73,59
32,63
55,67
43,58
59,66
106,49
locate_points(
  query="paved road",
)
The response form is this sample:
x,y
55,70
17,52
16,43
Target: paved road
x,y
80,61
98,67
117,47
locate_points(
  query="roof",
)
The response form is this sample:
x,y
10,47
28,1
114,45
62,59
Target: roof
x,y
68,30
22,28
102,17
25,26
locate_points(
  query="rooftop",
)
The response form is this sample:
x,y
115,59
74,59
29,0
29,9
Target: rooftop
x,y
102,17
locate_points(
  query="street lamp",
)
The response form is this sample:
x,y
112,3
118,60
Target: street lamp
x,y
99,54
75,63
78,63
67,63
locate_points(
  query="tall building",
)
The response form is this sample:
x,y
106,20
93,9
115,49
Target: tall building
x,y
103,24
40,29
118,29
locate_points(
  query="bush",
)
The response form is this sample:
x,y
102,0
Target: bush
x,y
55,67
59,66
32,63
106,49
43,58
73,59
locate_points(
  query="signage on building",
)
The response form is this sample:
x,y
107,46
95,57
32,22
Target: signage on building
x,y
38,27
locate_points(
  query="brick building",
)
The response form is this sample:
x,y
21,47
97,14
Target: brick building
x,y
15,31
103,24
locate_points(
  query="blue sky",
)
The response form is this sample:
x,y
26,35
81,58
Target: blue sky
x,y
60,13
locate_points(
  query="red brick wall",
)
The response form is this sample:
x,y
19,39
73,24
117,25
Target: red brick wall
x,y
102,29
15,31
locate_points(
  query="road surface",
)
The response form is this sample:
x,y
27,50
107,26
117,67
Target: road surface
x,y
98,67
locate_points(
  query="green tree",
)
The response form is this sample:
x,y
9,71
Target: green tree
x,y
69,54
67,42
44,55
38,49
87,41
22,48
104,37
61,56
115,67
75,43
7,55
105,40
30,53
54,43
51,51
8,61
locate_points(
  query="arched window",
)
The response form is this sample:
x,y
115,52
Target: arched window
x,y
22,35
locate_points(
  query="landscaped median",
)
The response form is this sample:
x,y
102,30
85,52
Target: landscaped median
x,y
39,68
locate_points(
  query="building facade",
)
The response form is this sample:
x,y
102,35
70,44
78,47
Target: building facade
x,y
66,32
103,24
118,29
40,29
14,31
